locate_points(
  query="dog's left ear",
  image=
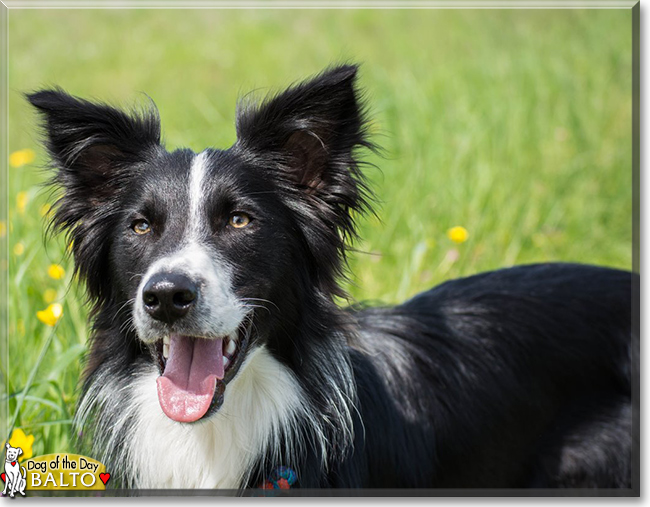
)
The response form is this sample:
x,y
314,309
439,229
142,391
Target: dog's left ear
x,y
308,136
20,451
310,130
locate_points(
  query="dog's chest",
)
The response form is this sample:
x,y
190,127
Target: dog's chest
x,y
218,452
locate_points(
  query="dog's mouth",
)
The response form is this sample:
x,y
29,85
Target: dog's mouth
x,y
194,371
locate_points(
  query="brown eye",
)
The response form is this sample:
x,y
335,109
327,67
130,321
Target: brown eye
x,y
141,227
239,220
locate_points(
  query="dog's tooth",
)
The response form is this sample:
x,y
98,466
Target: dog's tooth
x,y
166,341
231,346
165,350
225,361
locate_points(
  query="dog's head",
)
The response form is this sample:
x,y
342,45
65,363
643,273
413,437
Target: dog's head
x,y
13,452
202,256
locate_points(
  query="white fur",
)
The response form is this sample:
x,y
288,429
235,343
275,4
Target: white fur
x,y
218,311
263,401
196,194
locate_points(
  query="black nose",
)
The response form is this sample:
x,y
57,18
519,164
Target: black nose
x,y
169,296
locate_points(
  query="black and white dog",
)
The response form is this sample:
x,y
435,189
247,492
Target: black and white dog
x,y
219,354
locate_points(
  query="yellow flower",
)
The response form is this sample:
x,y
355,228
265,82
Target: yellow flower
x,y
19,249
45,209
22,198
21,158
49,296
55,271
458,234
19,439
51,314
3,229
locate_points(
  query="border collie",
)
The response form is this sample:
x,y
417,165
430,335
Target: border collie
x,y
219,355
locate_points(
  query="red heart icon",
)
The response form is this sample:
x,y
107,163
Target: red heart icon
x,y
105,477
13,463
3,477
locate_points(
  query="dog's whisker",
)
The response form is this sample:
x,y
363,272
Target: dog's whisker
x,y
256,306
262,301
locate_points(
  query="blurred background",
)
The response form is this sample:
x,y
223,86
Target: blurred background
x,y
507,138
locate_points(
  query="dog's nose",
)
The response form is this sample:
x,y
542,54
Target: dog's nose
x,y
169,296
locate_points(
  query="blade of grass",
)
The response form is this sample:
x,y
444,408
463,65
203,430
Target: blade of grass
x,y
30,379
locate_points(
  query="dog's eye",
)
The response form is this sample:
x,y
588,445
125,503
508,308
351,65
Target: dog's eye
x,y
141,227
239,220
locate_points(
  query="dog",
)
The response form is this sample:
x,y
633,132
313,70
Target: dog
x,y
15,481
219,354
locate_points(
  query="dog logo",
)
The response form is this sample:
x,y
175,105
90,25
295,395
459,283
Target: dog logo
x,y
15,481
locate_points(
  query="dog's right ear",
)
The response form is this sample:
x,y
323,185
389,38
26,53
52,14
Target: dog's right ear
x,y
7,446
91,144
95,150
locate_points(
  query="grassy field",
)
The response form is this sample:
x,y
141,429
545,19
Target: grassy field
x,y
515,125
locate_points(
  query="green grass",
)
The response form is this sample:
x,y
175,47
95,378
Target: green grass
x,y
513,124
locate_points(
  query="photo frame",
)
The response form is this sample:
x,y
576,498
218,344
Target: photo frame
x,y
510,135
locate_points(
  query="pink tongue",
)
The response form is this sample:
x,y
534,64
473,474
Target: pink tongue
x,y
186,388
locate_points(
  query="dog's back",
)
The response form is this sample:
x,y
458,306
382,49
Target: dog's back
x,y
514,378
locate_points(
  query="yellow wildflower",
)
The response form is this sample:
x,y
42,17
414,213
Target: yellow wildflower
x,y
458,234
19,249
3,228
49,296
45,209
19,439
21,157
56,271
22,198
51,314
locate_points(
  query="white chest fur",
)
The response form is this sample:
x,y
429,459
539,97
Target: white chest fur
x,y
219,452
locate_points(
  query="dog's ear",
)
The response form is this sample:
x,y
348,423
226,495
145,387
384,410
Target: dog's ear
x,y
91,144
310,130
7,446
95,150
20,451
309,136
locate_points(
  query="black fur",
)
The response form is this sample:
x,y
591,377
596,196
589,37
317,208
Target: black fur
x,y
515,378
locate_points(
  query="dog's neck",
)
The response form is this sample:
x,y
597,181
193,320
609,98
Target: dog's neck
x,y
251,421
